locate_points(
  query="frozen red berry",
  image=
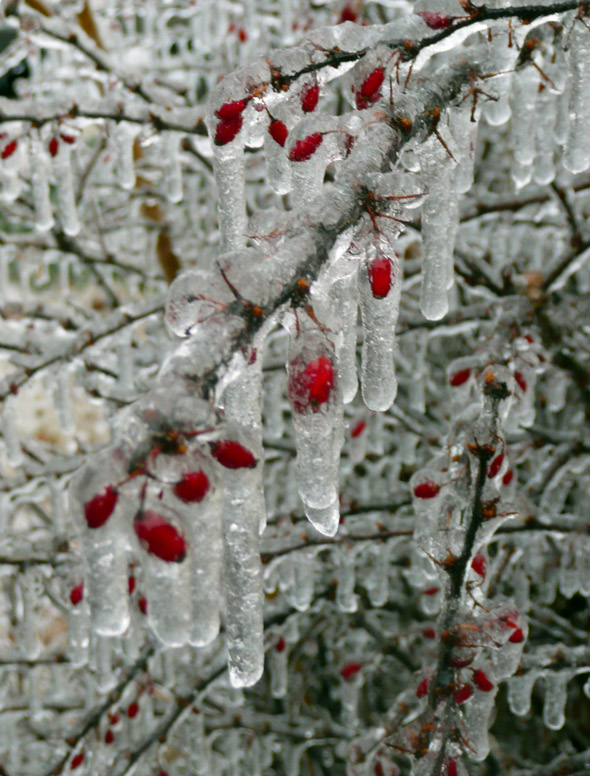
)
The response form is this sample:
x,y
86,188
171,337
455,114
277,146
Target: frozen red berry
x,y
507,478
278,131
69,139
309,98
482,681
159,537
142,605
193,487
462,694
233,455
9,149
77,594
517,637
426,489
109,737
478,564
281,645
519,377
311,386
496,465
380,276
372,83
350,670
98,510
429,633
358,429
230,110
131,584
306,148
347,14
451,768
460,377
227,129
431,591
77,761
437,21
422,689
133,710
53,146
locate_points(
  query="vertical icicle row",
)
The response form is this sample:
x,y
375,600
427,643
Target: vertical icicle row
x,y
577,147
314,395
380,282
40,185
436,243
66,196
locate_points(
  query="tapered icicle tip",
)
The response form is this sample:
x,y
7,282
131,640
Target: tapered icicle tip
x,y
324,519
434,307
240,676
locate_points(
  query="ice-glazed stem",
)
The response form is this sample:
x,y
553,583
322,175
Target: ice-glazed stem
x,y
66,198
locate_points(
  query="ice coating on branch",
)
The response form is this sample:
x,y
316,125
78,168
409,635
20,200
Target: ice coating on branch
x,y
437,245
194,298
242,577
103,516
314,396
40,184
124,134
577,146
380,281
173,167
66,197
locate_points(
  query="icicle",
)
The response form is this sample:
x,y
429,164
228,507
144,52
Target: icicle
x,y
242,402
242,577
465,133
101,513
380,285
124,135
106,679
40,185
173,167
303,586
11,432
577,147
78,627
436,244
229,168
377,582
520,690
278,658
525,88
345,597
344,293
66,196
568,573
555,698
314,395
544,172
349,695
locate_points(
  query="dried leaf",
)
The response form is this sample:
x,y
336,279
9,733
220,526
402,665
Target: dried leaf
x,y
38,6
88,24
152,212
169,261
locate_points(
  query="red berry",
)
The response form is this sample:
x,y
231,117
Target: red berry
x,y
481,681
517,637
109,737
53,146
142,604
451,768
478,564
160,538
281,645
350,670
520,380
227,129
98,510
77,761
9,149
437,21
358,429
68,139
192,487
462,694
378,769
431,591
278,131
306,148
372,83
133,710
77,594
309,98
427,489
114,718
429,633
347,15
233,455
230,110
461,662
311,386
495,465
460,377
380,276
242,35
507,478
131,585
422,689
